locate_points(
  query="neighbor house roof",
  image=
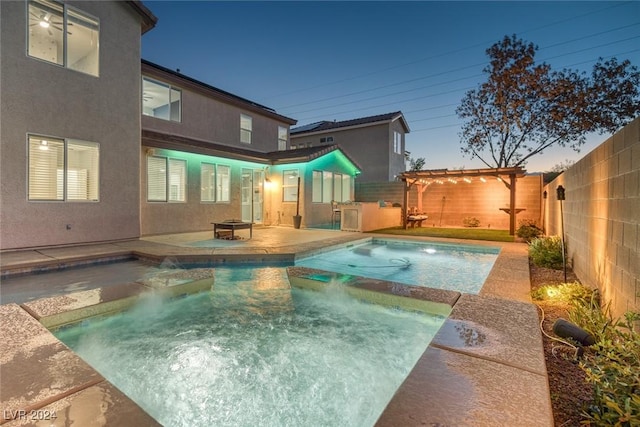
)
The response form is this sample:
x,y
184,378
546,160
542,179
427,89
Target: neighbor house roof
x,y
154,139
324,126
149,20
149,68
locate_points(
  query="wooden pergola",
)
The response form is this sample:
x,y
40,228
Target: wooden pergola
x,y
422,179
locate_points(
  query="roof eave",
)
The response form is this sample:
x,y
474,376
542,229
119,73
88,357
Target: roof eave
x,y
149,20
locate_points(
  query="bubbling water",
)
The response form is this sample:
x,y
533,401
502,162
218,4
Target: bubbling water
x,y
256,352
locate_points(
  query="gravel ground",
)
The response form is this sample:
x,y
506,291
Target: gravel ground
x,y
570,394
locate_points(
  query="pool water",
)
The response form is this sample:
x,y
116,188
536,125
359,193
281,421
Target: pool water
x,y
254,351
462,268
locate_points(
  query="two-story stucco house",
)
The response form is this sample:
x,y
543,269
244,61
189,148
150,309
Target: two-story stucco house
x,y
375,142
208,155
97,146
70,121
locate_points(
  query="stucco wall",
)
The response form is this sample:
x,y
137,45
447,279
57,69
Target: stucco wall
x,y
602,218
370,146
46,99
448,204
209,119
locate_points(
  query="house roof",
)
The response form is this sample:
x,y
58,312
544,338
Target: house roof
x,y
181,143
324,126
149,67
149,20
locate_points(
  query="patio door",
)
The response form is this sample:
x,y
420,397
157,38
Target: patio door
x,y
252,195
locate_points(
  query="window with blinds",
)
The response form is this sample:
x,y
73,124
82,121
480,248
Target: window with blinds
x,y
63,170
223,183
282,138
177,180
207,182
246,128
328,186
156,179
166,179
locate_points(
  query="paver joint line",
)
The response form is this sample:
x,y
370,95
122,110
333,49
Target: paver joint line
x,y
488,359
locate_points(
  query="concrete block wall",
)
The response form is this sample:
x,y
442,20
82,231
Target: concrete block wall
x,y
448,204
602,218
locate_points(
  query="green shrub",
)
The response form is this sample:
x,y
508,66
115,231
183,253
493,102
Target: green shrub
x,y
567,292
546,252
612,365
528,230
471,221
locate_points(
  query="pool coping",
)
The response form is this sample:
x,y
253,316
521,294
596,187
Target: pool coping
x,y
484,367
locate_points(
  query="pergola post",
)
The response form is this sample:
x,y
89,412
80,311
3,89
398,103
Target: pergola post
x,y
512,204
405,203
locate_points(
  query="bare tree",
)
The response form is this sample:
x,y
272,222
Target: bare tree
x,y
524,108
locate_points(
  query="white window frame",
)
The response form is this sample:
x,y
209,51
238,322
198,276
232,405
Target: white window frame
x,y
78,19
346,188
290,185
72,171
207,182
316,193
173,180
330,186
397,142
246,128
223,183
174,104
283,138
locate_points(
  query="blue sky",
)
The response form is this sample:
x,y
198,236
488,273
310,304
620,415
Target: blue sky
x,y
317,61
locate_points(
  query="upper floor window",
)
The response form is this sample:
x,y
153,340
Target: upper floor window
x,y
282,138
63,169
397,142
161,100
63,35
246,127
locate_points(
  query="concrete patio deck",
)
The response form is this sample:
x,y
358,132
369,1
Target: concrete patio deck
x,y
485,366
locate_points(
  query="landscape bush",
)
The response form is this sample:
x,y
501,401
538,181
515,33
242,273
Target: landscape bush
x,y
612,365
528,230
546,252
471,221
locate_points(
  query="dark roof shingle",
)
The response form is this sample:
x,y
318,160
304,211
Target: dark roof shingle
x,y
327,125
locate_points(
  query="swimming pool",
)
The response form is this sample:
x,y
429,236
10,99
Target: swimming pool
x,y
462,268
255,351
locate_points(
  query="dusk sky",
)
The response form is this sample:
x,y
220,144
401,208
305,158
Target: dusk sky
x,y
315,61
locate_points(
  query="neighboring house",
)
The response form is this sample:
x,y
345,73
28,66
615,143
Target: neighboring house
x,y
376,142
70,135
96,147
